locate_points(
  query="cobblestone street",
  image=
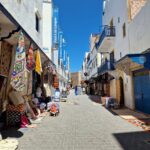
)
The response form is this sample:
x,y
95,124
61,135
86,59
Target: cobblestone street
x,y
84,125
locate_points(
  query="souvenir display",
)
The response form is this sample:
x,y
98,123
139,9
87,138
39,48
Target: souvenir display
x,y
56,82
30,59
29,89
38,65
18,74
14,114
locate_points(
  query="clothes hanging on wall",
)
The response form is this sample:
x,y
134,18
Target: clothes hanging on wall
x,y
30,59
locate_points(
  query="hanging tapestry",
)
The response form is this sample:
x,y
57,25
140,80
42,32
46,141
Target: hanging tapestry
x,y
55,82
29,90
25,90
38,67
5,58
30,59
18,74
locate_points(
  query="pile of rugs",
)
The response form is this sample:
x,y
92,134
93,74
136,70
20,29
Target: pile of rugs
x,y
144,124
136,118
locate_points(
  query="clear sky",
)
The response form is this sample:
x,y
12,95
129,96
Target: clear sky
x,y
78,19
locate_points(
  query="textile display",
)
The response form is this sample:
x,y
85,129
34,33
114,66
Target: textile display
x,y
47,90
24,121
56,82
5,58
13,118
38,65
18,74
25,90
29,89
14,114
45,80
20,108
38,92
51,69
3,84
16,98
30,59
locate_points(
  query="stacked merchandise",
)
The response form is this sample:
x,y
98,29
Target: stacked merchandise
x,y
56,82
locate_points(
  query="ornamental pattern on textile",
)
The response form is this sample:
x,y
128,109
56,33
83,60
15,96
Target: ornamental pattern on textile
x,y
18,74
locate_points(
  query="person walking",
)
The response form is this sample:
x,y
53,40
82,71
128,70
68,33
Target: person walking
x,y
76,90
83,90
57,95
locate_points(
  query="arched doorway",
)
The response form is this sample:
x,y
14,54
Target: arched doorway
x,y
121,91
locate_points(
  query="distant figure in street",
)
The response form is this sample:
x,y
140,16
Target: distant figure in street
x,y
57,95
83,90
76,90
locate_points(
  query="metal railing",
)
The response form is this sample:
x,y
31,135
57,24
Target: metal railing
x,y
106,66
108,31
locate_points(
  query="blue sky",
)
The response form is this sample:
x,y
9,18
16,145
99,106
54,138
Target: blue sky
x,y
78,19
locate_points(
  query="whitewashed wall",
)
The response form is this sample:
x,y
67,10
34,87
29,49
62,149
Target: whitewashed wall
x,y
139,30
47,28
112,88
128,92
119,12
24,13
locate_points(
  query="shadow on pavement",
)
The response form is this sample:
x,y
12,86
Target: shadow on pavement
x,y
112,112
95,99
133,140
11,133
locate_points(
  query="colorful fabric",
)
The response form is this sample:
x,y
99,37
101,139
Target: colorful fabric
x,y
30,59
13,118
18,74
29,89
56,82
24,121
5,58
38,66
19,108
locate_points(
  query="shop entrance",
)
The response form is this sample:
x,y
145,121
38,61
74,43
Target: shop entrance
x,y
121,91
142,90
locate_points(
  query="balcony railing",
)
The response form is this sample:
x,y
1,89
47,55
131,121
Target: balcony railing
x,y
106,66
107,32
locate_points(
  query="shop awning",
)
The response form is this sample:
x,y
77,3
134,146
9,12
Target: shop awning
x,y
131,61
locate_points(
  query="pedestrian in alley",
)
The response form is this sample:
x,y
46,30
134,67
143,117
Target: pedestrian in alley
x,y
57,95
76,90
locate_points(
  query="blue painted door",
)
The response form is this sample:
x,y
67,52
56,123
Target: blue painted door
x,y
142,91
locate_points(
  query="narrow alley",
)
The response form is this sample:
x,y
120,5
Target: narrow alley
x,y
84,125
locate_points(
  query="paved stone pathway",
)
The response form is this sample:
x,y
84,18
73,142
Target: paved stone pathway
x,y
84,125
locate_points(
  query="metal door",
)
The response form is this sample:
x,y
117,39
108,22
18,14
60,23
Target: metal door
x,y
142,92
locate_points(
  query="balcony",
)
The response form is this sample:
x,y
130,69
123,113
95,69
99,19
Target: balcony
x,y
106,39
105,67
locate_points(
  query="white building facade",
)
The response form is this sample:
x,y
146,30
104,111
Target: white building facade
x,y
29,17
47,28
125,38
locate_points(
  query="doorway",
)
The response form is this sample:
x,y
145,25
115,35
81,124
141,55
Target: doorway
x,y
121,91
142,90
